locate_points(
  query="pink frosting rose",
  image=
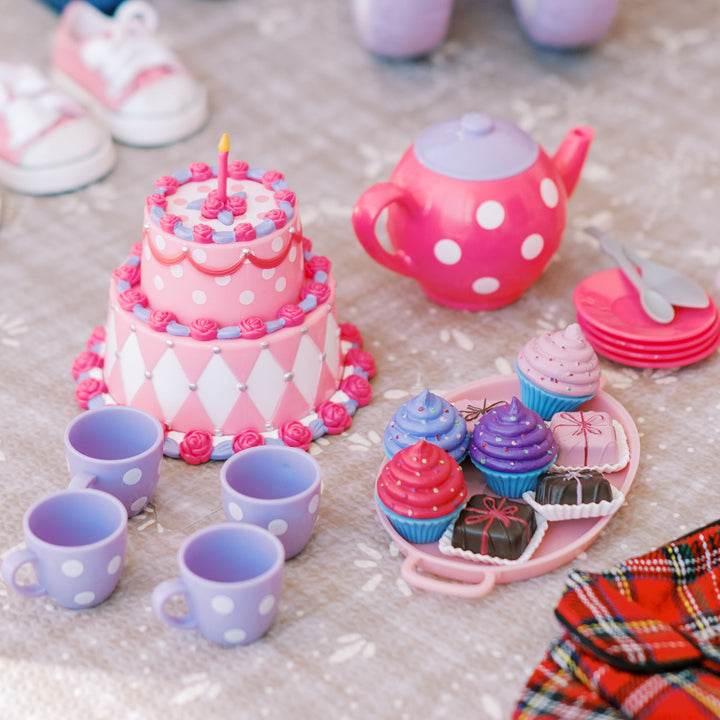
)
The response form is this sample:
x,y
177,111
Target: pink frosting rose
x,y
196,447
295,434
357,357
87,389
168,182
286,196
317,263
158,320
84,362
130,298
307,244
350,333
237,205
244,232
291,314
277,216
320,290
247,439
202,233
203,329
271,177
252,328
200,171
168,222
238,170
357,388
211,207
97,337
129,273
156,200
334,417
136,249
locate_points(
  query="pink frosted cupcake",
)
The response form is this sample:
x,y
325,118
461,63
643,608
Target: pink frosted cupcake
x,y
558,372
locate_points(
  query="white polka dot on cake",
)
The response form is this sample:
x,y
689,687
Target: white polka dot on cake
x,y
158,283
532,246
447,251
235,511
223,280
549,192
114,565
176,271
490,215
267,273
266,604
235,635
246,297
277,527
485,285
199,256
292,254
199,297
222,604
159,242
280,284
277,244
84,598
147,252
133,476
72,568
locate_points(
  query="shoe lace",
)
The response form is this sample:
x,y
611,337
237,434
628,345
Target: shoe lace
x,y
29,104
129,49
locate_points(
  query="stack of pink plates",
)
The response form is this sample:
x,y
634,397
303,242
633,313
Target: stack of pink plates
x,y
614,323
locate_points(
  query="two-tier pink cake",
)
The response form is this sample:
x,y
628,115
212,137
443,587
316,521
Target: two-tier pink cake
x,y
222,323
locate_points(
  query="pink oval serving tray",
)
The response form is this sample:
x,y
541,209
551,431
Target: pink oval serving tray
x,y
425,567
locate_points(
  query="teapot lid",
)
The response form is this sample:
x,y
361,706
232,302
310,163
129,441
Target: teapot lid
x,y
476,147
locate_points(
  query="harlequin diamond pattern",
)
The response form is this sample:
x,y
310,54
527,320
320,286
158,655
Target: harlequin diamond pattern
x,y
200,383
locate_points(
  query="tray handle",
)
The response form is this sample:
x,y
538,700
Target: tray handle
x,y
413,563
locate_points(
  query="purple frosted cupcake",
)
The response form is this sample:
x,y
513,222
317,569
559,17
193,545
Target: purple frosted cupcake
x,y
512,445
427,417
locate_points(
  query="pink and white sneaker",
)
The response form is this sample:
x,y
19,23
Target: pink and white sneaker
x,y
119,69
48,143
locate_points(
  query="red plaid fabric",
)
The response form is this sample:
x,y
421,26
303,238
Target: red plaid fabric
x,y
641,641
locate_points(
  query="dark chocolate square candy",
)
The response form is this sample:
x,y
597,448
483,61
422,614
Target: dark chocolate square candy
x,y
495,526
572,487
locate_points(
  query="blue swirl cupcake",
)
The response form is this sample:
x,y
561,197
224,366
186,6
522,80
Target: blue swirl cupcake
x,y
431,418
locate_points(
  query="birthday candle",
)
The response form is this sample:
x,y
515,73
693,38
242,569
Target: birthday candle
x,y
223,149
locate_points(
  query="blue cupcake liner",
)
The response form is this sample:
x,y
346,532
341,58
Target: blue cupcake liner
x,y
418,530
511,485
545,403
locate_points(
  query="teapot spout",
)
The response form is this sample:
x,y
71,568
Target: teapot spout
x,y
570,156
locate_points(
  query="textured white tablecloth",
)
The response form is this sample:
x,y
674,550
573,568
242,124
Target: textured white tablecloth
x,y
294,90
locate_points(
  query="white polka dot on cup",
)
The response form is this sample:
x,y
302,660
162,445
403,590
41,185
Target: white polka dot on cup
x,y
314,504
266,605
234,635
84,598
132,476
222,604
114,565
485,285
236,512
447,251
490,215
139,504
72,568
532,246
277,527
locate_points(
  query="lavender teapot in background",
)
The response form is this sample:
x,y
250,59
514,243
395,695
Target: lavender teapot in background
x,y
475,210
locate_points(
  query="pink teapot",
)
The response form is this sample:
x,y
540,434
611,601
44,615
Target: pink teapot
x,y
475,210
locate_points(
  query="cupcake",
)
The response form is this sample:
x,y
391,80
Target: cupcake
x,y
558,372
421,489
512,445
427,417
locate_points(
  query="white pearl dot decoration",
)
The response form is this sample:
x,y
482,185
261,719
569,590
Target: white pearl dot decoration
x,y
158,283
277,527
199,297
447,251
246,297
490,215
549,192
266,605
72,568
114,565
532,246
485,285
133,476
222,604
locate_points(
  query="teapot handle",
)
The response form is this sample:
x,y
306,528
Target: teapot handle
x,y
365,216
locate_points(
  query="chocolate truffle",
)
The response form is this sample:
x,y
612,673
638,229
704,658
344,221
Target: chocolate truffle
x,y
572,487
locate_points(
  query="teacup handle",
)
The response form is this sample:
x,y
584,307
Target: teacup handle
x,y
160,596
365,216
12,563
82,481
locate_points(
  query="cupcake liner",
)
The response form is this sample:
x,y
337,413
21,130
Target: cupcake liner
x,y
446,547
418,530
563,511
623,455
545,403
511,485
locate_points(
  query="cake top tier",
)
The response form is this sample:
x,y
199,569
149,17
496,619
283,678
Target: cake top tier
x,y
240,205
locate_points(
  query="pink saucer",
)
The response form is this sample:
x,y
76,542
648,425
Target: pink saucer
x,y
607,303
